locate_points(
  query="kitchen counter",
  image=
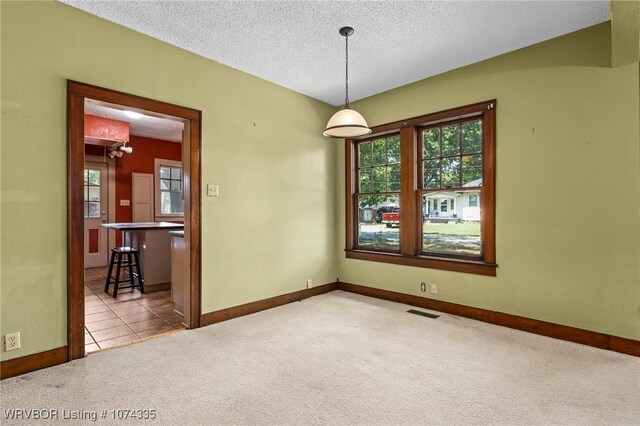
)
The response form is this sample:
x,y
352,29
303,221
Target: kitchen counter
x,y
143,226
154,243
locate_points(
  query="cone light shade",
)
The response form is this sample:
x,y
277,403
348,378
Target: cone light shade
x,y
346,123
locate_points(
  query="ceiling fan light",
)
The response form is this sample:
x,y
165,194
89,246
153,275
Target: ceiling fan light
x,y
346,123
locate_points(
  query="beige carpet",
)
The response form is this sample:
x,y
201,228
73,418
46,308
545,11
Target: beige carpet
x,y
341,358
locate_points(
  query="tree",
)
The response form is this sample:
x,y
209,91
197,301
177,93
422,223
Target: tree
x,y
452,155
378,171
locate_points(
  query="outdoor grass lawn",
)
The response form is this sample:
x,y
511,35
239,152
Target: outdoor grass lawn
x,y
466,229
460,238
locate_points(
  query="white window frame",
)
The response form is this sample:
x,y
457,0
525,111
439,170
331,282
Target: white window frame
x,y
159,162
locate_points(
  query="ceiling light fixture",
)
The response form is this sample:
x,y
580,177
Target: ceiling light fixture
x,y
346,123
118,149
133,114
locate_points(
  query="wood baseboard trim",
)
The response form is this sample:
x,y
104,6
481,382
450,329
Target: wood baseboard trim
x,y
28,363
624,345
261,305
563,332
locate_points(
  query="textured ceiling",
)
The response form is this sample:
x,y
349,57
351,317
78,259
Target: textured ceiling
x,y
296,43
147,126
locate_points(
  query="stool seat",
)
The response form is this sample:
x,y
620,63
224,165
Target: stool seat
x,y
125,250
127,257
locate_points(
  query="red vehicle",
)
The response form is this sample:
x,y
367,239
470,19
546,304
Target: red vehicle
x,y
392,218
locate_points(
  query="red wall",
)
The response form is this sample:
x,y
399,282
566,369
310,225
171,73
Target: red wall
x,y
145,150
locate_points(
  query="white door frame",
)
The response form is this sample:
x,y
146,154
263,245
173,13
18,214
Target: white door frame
x,y
111,194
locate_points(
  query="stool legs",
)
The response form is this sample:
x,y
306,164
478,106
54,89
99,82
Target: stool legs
x,y
106,286
117,283
126,257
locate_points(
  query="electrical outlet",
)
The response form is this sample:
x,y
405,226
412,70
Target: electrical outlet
x,y
12,341
423,287
433,288
309,283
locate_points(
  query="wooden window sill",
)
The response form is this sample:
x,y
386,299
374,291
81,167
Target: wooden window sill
x,y
447,264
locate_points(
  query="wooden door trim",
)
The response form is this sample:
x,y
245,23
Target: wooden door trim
x,y
77,92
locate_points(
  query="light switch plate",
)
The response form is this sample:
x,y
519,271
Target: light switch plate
x,y
213,190
125,202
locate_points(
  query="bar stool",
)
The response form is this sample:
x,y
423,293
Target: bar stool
x,y
121,253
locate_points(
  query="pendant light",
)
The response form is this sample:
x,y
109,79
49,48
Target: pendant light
x,y
346,123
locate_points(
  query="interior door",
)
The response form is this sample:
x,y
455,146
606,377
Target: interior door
x,y
95,214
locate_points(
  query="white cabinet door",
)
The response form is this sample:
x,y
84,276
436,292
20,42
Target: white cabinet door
x,y
142,197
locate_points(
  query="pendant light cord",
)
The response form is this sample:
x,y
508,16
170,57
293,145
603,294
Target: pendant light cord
x,y
346,72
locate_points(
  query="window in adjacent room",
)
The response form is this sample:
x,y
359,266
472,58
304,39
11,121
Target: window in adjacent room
x,y
91,193
169,185
436,173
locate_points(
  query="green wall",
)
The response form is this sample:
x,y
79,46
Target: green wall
x,y
272,226
568,184
568,193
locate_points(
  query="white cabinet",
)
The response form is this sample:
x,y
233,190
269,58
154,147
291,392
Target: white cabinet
x,y
142,197
179,266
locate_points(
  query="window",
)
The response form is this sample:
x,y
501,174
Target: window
x,y
169,185
378,189
451,162
171,190
91,193
439,171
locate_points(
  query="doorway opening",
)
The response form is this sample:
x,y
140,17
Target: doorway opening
x,y
133,178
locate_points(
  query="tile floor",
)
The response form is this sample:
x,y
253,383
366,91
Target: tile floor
x,y
131,316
